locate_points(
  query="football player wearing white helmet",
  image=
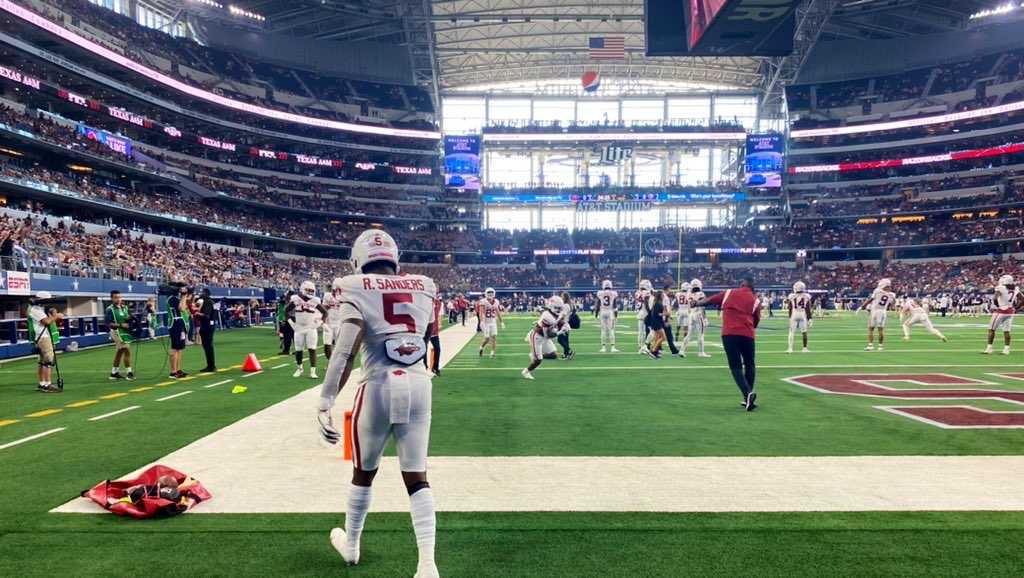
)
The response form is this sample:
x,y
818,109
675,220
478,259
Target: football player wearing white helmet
x,y
881,300
386,316
799,305
544,330
1005,300
914,313
332,304
607,313
309,315
698,320
683,312
642,303
488,312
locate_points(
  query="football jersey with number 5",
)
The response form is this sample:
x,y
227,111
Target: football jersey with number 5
x,y
392,307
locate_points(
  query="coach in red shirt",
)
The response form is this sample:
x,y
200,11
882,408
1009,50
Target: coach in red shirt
x,y
741,312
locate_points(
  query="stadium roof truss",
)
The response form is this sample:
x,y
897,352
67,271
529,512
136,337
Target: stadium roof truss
x,y
485,42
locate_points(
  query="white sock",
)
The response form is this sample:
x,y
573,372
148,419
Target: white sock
x,y
791,340
355,513
129,369
424,523
700,342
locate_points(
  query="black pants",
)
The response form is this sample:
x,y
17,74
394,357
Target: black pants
x,y
739,350
206,334
462,315
287,334
670,339
563,340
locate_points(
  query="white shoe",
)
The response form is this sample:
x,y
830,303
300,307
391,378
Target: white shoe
x,y
881,348
312,373
702,354
682,354
869,347
988,350
604,349
492,355
340,542
1006,351
298,372
427,570
526,374
790,350
614,350
806,350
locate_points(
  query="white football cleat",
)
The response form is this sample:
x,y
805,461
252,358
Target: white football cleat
x,y
790,350
881,348
298,372
869,347
312,373
988,350
340,542
492,355
1006,351
427,570
614,350
526,374
604,349
682,354
702,354
806,350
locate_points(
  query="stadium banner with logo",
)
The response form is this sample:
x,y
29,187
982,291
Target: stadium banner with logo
x,y
15,283
765,160
115,143
462,162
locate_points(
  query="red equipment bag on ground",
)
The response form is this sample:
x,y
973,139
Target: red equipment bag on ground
x,y
158,491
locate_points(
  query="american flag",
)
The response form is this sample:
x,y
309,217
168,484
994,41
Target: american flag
x,y
608,47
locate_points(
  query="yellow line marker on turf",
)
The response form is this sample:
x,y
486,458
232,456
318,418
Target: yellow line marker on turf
x,y
82,403
223,369
4,422
163,383
113,395
186,378
44,413
140,389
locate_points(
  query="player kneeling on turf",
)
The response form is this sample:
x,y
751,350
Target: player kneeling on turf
x,y
912,313
546,329
1005,300
799,305
387,316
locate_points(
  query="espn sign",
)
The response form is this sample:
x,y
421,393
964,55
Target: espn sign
x,y
16,283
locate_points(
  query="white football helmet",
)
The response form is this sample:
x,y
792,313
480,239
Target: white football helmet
x,y
645,284
685,287
884,283
338,284
555,304
696,284
308,288
489,292
799,287
606,284
373,245
1006,280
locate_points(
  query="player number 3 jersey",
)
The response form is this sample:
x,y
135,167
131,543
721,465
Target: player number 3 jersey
x,y
396,311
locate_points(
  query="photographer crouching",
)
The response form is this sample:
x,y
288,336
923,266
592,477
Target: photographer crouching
x,y
118,321
43,332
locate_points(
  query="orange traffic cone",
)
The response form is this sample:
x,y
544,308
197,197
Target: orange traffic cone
x,y
251,364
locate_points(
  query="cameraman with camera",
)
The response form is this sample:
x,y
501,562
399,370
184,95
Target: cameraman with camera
x,y
118,320
42,330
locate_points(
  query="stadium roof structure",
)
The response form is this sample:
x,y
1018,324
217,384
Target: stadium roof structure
x,y
880,19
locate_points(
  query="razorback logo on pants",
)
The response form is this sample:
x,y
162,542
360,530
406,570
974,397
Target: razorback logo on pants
x,y
944,416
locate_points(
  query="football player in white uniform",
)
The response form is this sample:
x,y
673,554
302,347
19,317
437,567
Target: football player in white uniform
x,y
698,320
683,311
642,302
540,337
1005,299
799,304
879,302
332,304
912,313
488,311
386,316
607,312
309,315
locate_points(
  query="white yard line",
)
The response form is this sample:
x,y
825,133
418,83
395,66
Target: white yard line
x,y
280,366
31,437
250,374
113,413
175,395
216,384
663,365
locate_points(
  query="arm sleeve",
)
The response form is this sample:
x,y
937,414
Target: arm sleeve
x,y
344,351
717,298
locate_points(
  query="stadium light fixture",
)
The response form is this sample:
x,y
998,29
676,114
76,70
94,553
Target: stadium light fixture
x,y
236,11
998,10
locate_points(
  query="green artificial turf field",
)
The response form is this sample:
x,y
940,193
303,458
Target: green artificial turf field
x,y
595,405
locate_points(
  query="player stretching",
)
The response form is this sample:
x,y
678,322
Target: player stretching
x,y
488,311
880,301
387,316
546,328
1004,303
912,313
332,304
642,300
607,312
309,314
799,305
698,320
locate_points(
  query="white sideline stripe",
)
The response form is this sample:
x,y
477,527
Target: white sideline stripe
x,y
251,374
280,366
175,395
216,384
113,413
31,437
672,367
